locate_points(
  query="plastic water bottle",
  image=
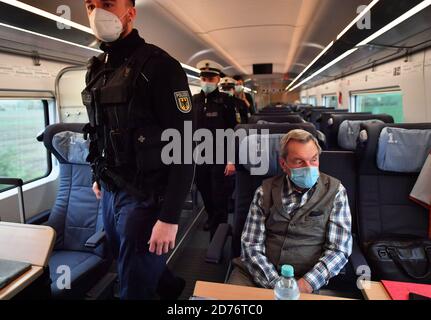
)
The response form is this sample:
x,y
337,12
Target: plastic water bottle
x,y
286,288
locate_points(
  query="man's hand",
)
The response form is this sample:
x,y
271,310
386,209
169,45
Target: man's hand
x,y
304,286
230,170
96,190
163,238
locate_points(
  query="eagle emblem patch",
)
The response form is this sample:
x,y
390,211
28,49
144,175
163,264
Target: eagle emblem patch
x,y
183,101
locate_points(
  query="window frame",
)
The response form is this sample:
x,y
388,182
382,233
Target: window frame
x,y
46,98
324,96
315,99
355,94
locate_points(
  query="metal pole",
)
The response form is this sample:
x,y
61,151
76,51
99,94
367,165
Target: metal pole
x,y
21,205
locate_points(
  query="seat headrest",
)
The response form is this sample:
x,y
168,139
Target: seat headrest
x,y
255,146
327,115
370,146
278,128
259,154
403,150
293,118
66,142
72,147
349,132
340,118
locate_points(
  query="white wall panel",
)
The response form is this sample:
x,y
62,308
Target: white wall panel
x,y
414,81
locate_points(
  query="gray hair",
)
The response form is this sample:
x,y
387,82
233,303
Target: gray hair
x,y
298,135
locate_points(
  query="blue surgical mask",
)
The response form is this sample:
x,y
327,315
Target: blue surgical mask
x,y
208,87
305,178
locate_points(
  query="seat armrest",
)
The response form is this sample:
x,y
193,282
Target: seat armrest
x,y
358,261
39,219
95,240
11,182
216,247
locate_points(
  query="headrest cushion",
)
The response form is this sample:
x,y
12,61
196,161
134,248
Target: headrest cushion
x,y
72,147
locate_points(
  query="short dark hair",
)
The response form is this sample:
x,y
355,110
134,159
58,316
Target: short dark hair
x,y
238,78
133,2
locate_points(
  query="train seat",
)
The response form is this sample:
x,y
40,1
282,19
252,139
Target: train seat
x,y
340,164
291,118
75,216
316,115
385,182
331,131
348,133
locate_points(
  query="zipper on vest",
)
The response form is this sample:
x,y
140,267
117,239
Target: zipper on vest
x,y
106,62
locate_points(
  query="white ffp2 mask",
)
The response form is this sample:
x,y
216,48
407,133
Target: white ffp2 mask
x,y
106,26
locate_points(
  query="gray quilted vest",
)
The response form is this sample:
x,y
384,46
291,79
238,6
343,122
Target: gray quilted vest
x,y
297,239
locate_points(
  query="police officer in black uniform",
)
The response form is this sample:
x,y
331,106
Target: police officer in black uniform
x,y
227,85
134,92
244,96
213,110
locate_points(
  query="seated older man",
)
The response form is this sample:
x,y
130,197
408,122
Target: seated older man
x,y
301,218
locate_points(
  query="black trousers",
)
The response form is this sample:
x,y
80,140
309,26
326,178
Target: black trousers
x,y
212,183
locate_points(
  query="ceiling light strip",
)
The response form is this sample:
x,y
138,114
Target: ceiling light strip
x,y
185,66
309,66
45,14
190,68
358,18
29,8
50,38
423,5
343,56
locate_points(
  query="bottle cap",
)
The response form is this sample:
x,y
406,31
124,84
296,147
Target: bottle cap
x,y
287,271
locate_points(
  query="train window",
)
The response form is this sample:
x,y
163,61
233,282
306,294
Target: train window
x,y
312,100
389,102
330,101
21,155
304,100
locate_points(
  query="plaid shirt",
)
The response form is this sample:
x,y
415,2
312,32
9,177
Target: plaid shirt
x,y
337,249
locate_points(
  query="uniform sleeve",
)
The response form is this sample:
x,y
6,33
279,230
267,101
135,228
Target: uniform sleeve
x,y
252,104
230,113
173,107
244,111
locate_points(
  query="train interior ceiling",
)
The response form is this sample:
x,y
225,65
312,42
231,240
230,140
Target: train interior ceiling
x,y
360,56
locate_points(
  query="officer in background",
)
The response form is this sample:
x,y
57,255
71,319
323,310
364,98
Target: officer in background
x,y
227,85
134,92
213,110
244,96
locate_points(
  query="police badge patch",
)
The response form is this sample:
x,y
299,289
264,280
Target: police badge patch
x,y
183,101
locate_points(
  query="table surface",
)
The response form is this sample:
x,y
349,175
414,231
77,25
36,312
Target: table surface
x,y
374,291
25,243
22,282
222,291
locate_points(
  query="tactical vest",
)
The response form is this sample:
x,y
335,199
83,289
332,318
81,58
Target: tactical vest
x,y
125,148
297,239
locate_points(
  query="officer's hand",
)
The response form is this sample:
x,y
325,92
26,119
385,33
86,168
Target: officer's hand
x,y
96,190
163,237
230,170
